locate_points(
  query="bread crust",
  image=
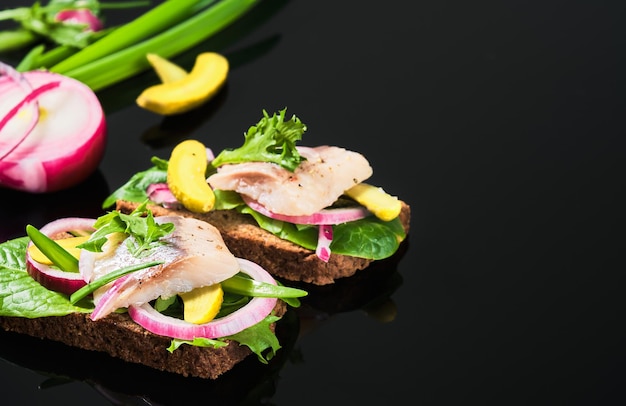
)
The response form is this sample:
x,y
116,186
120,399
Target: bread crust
x,y
120,337
279,257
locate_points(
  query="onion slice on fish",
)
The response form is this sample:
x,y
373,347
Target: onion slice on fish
x,y
53,278
325,217
252,313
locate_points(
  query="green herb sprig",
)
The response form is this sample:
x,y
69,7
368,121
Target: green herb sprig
x,y
139,224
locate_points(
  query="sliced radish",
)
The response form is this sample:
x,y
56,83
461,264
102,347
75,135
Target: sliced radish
x,y
252,313
67,142
52,278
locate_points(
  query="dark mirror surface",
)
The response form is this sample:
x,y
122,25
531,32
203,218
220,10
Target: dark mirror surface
x,y
500,122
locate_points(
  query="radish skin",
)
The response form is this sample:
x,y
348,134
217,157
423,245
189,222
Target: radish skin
x,y
65,146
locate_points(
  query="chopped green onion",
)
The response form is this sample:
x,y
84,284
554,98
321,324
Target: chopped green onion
x,y
110,277
51,249
108,70
249,287
150,23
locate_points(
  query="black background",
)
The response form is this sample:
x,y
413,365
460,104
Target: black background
x,y
500,122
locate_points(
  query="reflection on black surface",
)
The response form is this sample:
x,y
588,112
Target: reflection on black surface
x,y
248,383
369,290
20,208
174,129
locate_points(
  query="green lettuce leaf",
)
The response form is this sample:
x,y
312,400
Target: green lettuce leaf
x,y
272,140
259,338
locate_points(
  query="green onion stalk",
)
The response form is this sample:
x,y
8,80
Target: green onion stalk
x,y
121,54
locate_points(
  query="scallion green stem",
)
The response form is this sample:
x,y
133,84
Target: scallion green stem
x,y
53,56
249,287
126,4
130,61
29,60
16,39
150,23
110,277
55,253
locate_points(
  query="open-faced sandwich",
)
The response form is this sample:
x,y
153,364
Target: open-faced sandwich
x,y
165,292
305,214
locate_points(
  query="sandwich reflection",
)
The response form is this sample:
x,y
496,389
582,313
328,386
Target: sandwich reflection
x,y
369,290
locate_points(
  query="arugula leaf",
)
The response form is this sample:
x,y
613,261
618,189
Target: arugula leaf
x,y
272,140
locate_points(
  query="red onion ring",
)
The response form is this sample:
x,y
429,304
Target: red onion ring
x,y
160,193
255,311
326,216
55,279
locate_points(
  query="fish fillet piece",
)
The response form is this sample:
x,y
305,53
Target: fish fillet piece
x,y
194,255
316,184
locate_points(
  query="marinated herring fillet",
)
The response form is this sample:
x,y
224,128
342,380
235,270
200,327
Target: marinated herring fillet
x,y
317,182
193,255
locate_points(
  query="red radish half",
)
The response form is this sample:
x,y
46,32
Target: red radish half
x,y
67,142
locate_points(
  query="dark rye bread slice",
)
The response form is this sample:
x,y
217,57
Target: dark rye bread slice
x,y
279,257
120,337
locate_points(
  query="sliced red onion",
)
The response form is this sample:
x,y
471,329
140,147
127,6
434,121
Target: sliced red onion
x,y
20,80
111,294
55,279
209,154
325,237
80,16
326,216
65,145
160,193
256,310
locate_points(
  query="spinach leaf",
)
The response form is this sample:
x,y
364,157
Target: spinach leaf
x,y
21,295
135,189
